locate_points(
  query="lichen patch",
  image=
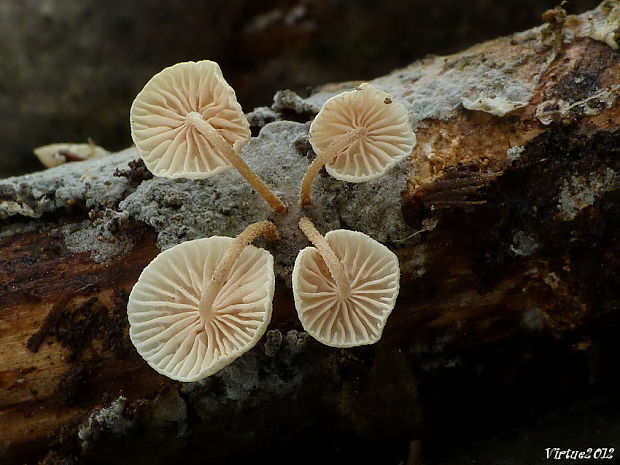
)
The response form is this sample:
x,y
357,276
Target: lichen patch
x,y
88,182
181,210
603,23
578,193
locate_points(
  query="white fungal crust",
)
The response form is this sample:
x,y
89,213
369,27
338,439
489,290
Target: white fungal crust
x,y
388,140
374,273
165,325
170,145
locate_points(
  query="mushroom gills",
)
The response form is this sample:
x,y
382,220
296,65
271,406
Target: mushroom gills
x,y
172,324
329,311
186,123
359,136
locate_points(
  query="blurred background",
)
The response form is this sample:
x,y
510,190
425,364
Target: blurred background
x,y
69,69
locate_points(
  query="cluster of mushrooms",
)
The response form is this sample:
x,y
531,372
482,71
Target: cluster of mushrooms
x,y
201,304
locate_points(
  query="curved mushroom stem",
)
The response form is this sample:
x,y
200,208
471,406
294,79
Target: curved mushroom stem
x,y
212,134
334,148
329,257
262,228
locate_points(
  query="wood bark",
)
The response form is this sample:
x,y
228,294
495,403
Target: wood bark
x,y
509,279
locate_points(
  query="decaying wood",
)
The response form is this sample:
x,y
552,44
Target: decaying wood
x,y
508,244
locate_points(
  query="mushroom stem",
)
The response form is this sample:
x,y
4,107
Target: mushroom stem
x,y
329,257
212,134
262,228
339,144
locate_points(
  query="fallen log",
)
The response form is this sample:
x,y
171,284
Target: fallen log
x,y
505,221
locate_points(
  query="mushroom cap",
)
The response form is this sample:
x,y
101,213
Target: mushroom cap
x,y
374,273
389,138
52,155
172,147
165,325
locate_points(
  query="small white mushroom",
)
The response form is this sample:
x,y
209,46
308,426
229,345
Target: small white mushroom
x,y
187,123
344,287
201,304
52,155
358,136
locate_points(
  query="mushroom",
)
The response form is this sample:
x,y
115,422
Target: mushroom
x,y
344,287
201,304
359,136
52,155
187,123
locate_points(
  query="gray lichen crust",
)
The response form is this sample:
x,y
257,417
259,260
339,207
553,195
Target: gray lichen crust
x,y
578,193
107,420
91,182
182,209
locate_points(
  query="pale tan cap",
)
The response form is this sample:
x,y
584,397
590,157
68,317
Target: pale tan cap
x,y
161,121
52,155
166,326
387,135
357,319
